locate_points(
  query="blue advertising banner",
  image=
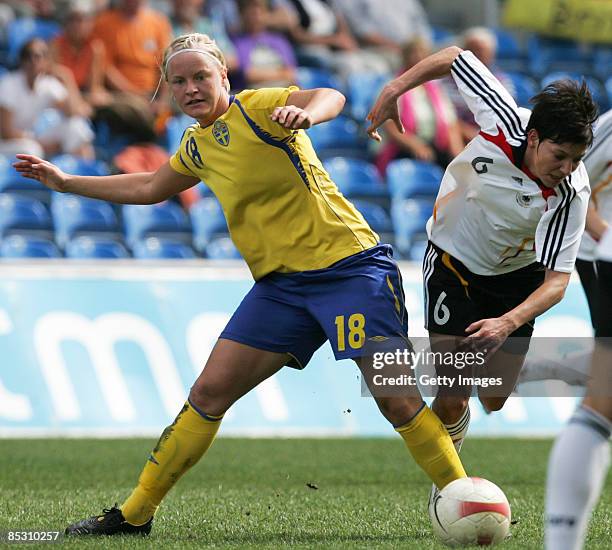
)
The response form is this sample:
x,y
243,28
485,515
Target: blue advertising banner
x,y
112,348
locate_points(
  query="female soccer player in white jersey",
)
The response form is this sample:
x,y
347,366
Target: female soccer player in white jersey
x,y
574,369
580,457
507,221
320,272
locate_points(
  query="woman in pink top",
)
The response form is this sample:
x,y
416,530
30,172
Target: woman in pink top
x,y
428,116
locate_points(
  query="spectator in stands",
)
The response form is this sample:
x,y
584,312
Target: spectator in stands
x,y
431,129
483,44
81,53
320,31
41,111
383,26
187,17
324,39
134,37
266,58
278,17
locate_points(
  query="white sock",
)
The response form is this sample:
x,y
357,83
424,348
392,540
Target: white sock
x,y
458,430
576,471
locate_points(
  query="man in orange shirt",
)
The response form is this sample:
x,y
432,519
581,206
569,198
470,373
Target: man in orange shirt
x,y
134,37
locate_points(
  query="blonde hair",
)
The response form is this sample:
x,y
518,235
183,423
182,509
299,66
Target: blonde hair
x,y
194,41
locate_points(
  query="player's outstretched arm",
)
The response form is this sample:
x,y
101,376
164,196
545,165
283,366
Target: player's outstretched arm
x,y
490,334
305,108
434,66
143,188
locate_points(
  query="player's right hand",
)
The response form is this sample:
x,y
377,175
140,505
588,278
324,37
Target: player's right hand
x,y
41,170
384,109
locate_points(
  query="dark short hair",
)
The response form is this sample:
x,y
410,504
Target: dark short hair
x,y
564,112
24,51
244,4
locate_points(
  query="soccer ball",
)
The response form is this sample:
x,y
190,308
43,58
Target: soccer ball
x,y
470,510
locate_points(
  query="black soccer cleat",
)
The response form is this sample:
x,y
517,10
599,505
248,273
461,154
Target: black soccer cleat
x,y
111,522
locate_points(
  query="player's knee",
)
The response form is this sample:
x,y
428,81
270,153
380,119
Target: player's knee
x,y
450,408
600,404
209,398
399,410
492,404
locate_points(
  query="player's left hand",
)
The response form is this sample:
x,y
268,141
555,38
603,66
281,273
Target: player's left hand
x,y
384,109
486,335
292,117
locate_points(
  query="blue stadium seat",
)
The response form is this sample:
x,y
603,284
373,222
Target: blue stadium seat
x,y
602,63
375,215
507,44
20,214
83,167
609,90
175,128
340,136
155,248
417,249
208,221
74,215
108,144
314,77
525,88
88,247
548,55
13,182
203,190
23,29
165,219
222,248
355,177
441,36
27,246
597,89
409,217
362,89
410,178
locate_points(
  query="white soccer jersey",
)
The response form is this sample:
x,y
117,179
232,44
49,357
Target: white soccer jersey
x,y
598,162
490,213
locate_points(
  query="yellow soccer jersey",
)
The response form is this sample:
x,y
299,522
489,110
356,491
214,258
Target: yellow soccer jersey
x,y
283,211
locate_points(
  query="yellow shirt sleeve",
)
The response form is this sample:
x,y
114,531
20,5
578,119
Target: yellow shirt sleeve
x,y
180,162
259,105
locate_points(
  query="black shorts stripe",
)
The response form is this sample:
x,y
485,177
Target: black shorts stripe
x,y
428,266
478,85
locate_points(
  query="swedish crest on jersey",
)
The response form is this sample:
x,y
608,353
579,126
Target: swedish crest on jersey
x,y
221,133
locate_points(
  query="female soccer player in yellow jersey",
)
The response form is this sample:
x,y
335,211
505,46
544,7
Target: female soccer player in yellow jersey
x,y
320,272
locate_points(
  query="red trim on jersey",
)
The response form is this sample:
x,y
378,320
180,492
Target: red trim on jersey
x,y
502,143
467,508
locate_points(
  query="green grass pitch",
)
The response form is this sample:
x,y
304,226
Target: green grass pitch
x,y
271,493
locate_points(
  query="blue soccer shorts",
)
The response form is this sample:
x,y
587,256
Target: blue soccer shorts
x,y
354,302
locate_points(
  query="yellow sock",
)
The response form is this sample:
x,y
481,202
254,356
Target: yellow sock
x,y
432,448
179,447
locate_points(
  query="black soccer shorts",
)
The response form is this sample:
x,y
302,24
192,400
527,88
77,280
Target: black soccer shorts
x,y
455,297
